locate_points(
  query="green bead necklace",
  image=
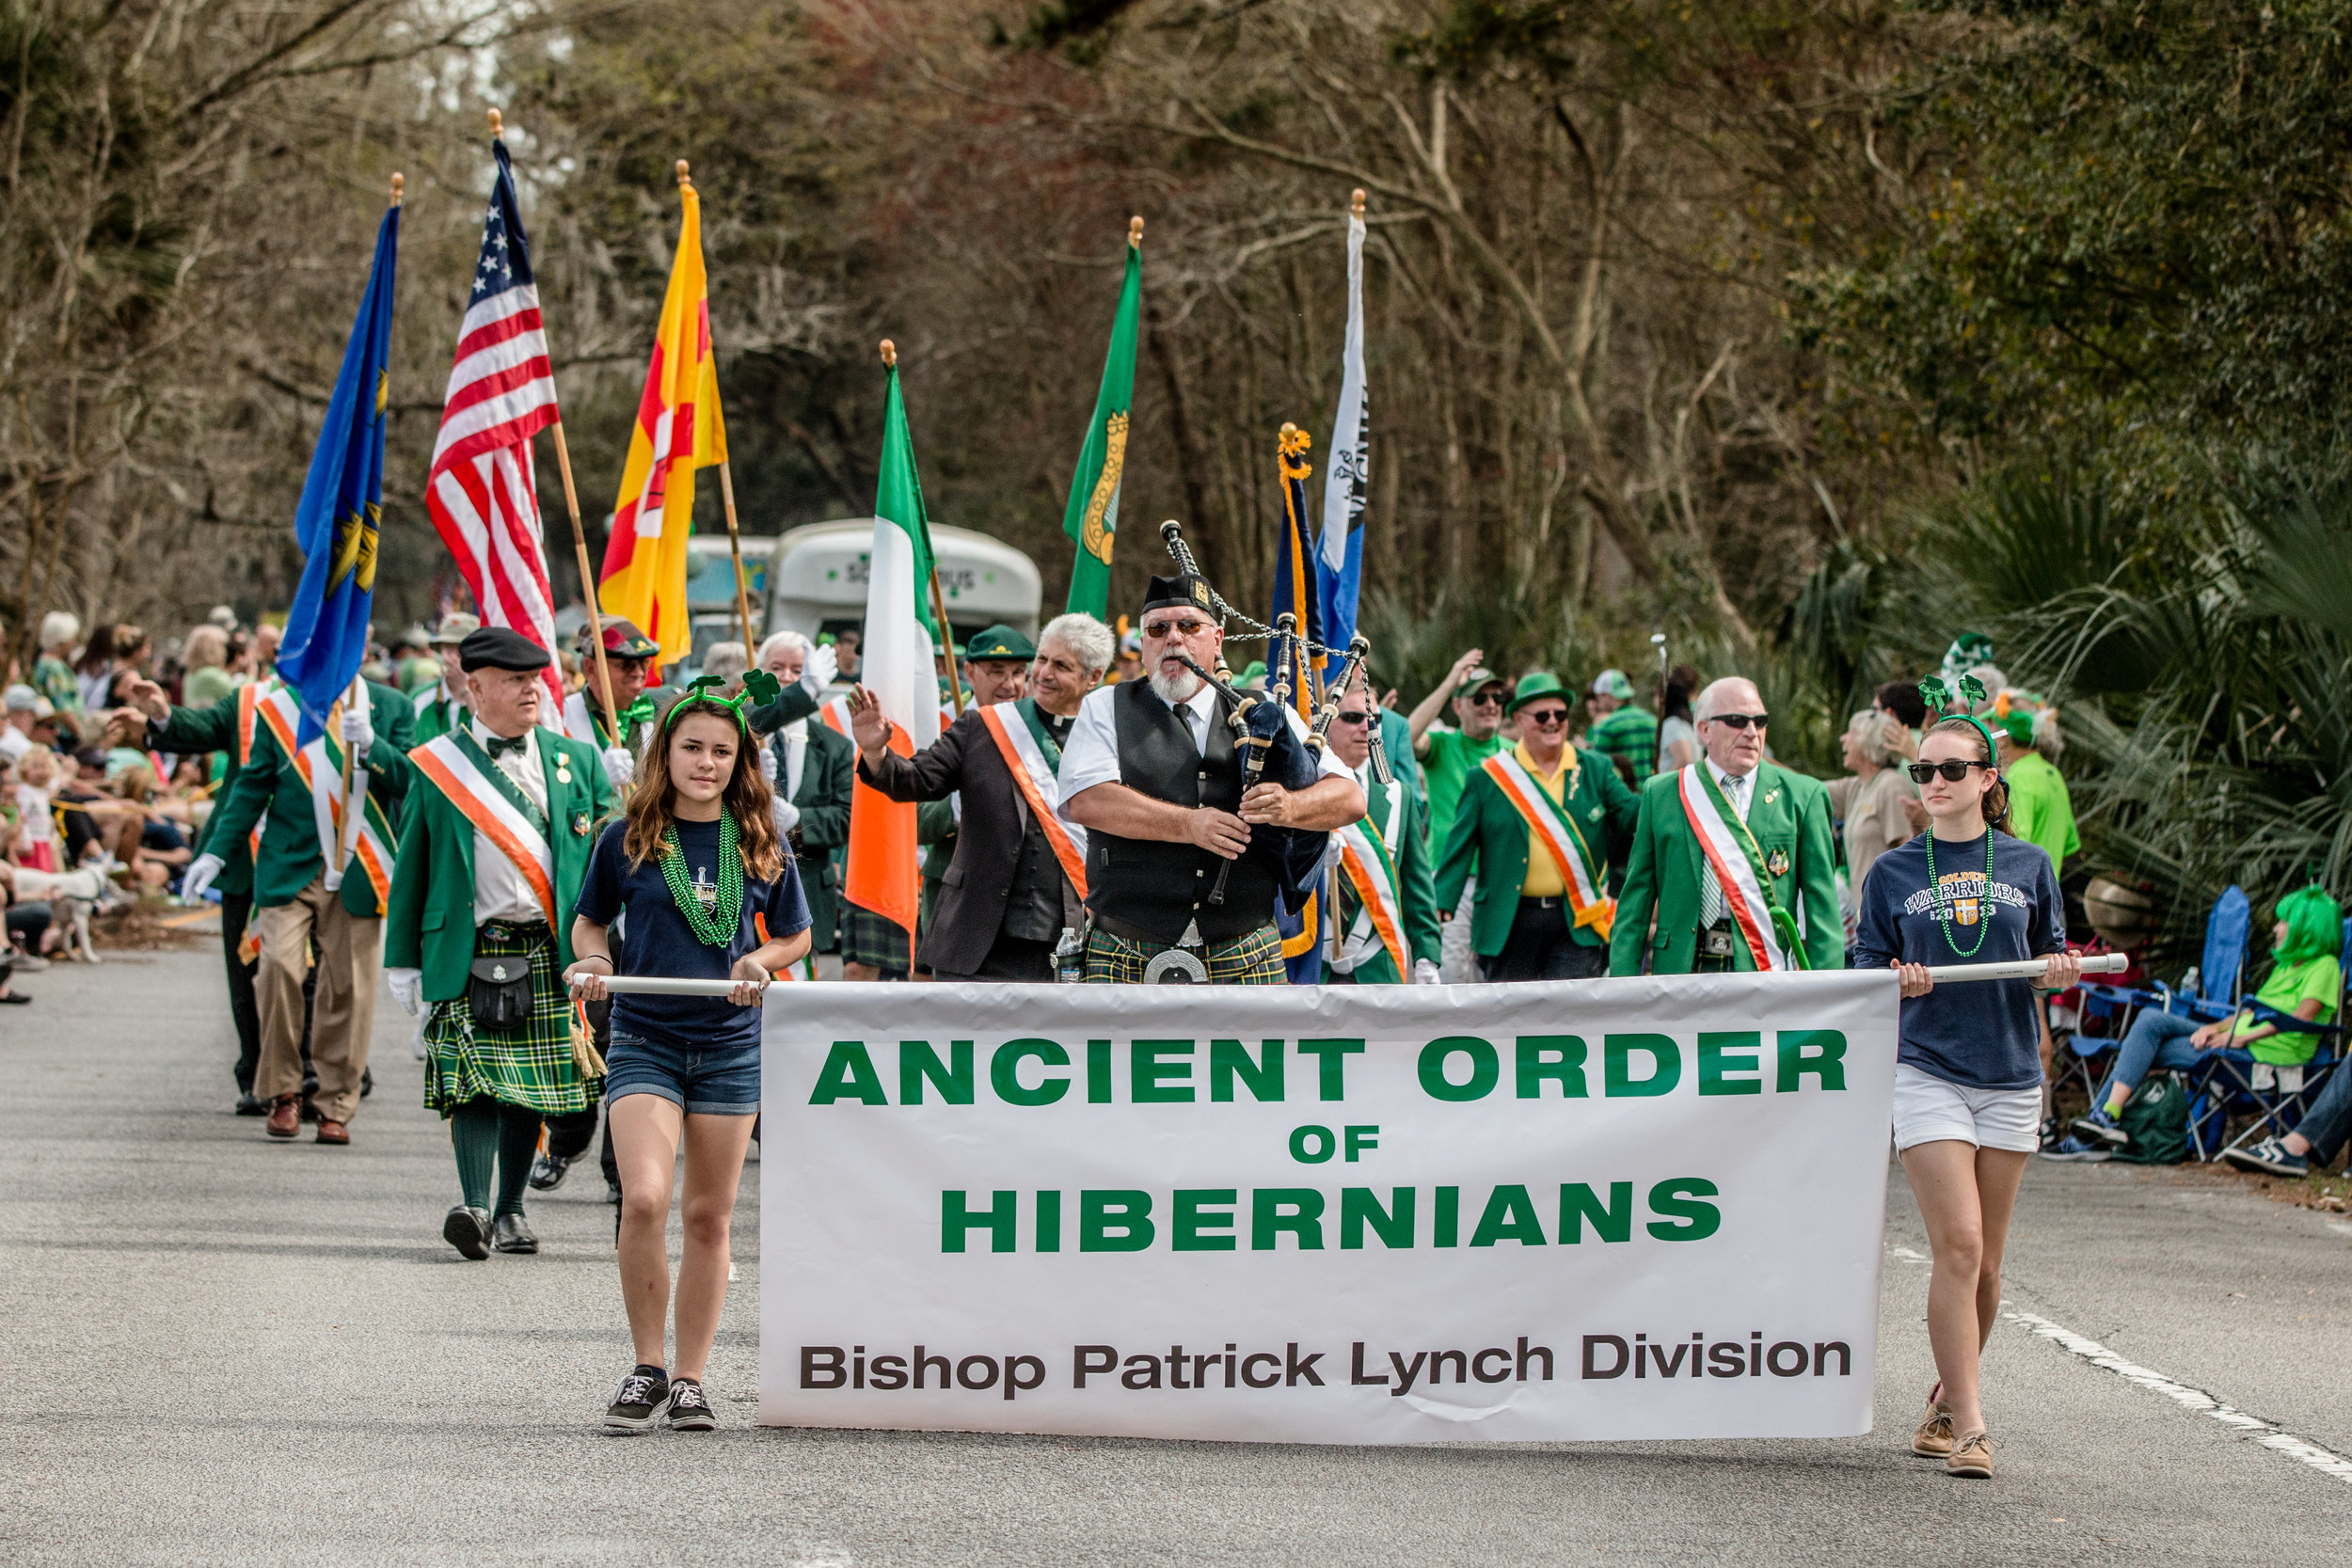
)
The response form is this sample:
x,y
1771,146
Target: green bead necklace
x,y
1984,901
716,925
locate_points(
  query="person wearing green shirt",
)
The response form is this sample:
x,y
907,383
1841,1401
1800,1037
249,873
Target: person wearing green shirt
x,y
1625,734
2040,810
1448,756
2306,980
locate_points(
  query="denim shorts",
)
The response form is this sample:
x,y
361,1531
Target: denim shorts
x,y
702,1082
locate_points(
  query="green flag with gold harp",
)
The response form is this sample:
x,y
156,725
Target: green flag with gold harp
x,y
1091,518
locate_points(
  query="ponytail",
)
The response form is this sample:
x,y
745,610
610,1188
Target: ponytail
x,y
1996,798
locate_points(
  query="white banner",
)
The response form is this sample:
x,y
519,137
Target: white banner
x,y
1611,1209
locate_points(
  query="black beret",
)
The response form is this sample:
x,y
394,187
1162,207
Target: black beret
x,y
1183,589
500,648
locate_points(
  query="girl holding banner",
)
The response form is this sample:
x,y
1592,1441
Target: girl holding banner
x,y
1968,1071
709,895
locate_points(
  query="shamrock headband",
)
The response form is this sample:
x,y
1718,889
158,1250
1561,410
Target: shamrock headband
x,y
1938,698
759,686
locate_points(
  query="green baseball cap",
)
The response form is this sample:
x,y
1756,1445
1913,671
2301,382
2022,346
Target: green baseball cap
x,y
1612,683
999,642
1538,683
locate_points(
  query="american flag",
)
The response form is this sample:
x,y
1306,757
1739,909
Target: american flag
x,y
502,392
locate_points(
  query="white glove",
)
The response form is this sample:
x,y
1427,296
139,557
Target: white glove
x,y
198,876
787,815
818,670
1425,972
358,735
407,988
620,766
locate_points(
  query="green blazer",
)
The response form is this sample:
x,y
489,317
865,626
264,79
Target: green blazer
x,y
195,732
1787,811
290,859
1490,840
1411,854
437,715
428,923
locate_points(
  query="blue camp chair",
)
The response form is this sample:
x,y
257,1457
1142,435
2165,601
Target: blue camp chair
x,y
2225,1084
2084,1059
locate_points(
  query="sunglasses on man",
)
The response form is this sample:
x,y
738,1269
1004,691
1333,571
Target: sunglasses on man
x,y
1162,630
1739,720
1485,699
1548,718
1953,771
1343,716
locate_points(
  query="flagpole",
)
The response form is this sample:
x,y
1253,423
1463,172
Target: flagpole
x,y
939,598
735,544
351,698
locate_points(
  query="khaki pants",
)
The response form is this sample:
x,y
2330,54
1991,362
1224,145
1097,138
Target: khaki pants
x,y
350,951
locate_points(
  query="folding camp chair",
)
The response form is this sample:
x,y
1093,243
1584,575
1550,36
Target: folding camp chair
x,y
2226,1082
2222,965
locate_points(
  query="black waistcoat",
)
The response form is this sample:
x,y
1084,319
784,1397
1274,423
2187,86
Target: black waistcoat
x,y
1150,889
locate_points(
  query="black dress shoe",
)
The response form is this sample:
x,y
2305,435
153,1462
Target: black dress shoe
x,y
251,1104
469,1231
367,1082
509,1233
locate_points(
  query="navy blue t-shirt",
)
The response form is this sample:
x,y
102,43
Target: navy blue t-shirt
x,y
657,939
1984,1034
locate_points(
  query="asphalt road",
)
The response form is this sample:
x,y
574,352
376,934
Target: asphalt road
x,y
224,1350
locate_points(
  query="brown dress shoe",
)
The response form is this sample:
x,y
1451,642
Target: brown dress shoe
x,y
285,1117
333,1132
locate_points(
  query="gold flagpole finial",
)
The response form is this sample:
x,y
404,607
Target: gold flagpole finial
x,y
1134,233
1355,203
890,354
683,179
398,181
497,125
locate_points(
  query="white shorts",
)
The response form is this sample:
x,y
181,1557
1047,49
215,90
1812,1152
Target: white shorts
x,y
1928,1108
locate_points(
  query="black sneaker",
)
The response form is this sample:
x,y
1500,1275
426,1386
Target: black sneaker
x,y
689,1411
548,1172
251,1104
639,1401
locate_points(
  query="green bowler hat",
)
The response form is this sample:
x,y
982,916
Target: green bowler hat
x,y
999,642
1538,683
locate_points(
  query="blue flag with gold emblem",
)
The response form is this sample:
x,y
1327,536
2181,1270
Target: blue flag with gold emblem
x,y
342,503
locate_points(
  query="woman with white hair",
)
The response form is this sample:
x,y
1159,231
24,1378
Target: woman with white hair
x,y
1873,800
53,673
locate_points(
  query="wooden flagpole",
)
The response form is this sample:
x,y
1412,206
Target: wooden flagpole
x,y
735,546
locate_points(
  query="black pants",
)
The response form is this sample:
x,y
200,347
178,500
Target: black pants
x,y
1541,948
568,1136
236,911
1011,959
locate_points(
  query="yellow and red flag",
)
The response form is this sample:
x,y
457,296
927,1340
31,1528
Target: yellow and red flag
x,y
679,430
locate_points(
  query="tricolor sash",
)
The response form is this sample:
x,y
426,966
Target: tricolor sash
x,y
499,812
1379,924
249,696
1588,900
1769,931
1024,745
363,836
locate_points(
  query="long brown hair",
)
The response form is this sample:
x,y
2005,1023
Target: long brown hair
x,y
1996,799
745,798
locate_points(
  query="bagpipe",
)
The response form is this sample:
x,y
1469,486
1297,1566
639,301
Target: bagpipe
x,y
1271,751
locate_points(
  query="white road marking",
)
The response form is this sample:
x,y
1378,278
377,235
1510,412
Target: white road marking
x,y
2268,1433
1906,1254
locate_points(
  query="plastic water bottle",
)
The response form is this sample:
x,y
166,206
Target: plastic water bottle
x,y
1070,958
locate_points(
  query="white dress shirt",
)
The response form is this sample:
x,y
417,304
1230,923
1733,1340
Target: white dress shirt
x,y
499,892
1738,790
1090,756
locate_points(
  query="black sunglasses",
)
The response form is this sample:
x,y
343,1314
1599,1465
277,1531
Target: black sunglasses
x,y
1740,720
1549,716
1485,699
1343,716
1953,771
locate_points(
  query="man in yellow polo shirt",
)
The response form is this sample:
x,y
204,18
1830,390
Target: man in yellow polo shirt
x,y
1536,825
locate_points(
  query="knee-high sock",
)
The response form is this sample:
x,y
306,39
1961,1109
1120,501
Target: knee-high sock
x,y
474,1134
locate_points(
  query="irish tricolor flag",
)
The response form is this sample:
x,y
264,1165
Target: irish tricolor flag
x,y
897,666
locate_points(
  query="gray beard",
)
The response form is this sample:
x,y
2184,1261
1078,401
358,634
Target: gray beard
x,y
1177,689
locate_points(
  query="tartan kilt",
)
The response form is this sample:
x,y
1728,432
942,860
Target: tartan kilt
x,y
1253,958
867,937
532,1068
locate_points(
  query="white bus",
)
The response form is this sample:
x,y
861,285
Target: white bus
x,y
817,581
